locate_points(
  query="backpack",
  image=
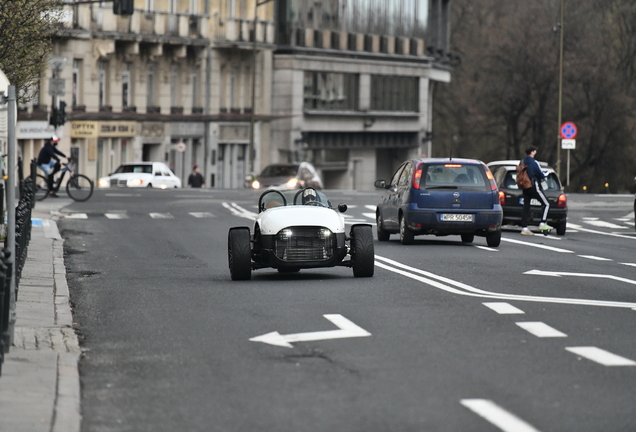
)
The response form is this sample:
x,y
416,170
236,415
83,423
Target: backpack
x,y
523,179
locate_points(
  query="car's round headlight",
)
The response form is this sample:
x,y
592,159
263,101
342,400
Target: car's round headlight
x,y
256,184
292,183
135,182
103,182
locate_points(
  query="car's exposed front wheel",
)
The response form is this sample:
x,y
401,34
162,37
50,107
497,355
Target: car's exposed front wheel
x,y
239,253
362,251
383,235
406,235
493,239
468,238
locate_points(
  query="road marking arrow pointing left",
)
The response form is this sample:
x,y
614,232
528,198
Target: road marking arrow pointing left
x,y
347,330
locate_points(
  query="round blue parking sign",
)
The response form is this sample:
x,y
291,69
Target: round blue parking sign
x,y
568,130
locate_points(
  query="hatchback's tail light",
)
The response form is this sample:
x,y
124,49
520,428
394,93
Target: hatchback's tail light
x,y
502,198
417,176
562,202
493,184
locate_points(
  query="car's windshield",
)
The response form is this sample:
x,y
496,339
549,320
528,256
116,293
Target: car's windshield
x,y
274,198
453,175
134,169
279,171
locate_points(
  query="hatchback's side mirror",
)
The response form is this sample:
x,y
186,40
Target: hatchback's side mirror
x,y
380,184
342,208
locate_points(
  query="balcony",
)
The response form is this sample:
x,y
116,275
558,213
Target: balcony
x,y
237,30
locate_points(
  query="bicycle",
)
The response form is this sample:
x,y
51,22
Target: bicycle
x,y
78,187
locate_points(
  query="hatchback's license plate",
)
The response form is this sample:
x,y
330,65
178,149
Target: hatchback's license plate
x,y
533,202
454,217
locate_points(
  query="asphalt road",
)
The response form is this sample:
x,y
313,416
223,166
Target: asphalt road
x,y
535,335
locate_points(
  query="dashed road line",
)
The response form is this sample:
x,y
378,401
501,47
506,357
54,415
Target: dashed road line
x,y
503,308
537,245
202,215
116,215
77,216
498,416
161,216
596,258
601,356
540,329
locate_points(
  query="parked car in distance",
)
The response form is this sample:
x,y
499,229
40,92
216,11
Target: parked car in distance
x,y
297,230
140,175
441,197
511,198
287,176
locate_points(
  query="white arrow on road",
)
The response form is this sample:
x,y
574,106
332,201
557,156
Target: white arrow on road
x,y
589,275
347,330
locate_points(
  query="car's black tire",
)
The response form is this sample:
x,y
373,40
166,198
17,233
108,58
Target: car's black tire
x,y
79,187
383,235
561,227
407,236
362,251
239,253
493,239
41,188
468,238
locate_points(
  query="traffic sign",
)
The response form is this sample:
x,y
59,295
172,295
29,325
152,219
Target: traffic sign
x,y
181,146
568,130
568,144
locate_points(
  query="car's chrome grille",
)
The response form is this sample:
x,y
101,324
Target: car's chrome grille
x,y
304,244
118,183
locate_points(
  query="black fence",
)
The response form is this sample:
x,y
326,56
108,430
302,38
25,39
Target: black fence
x,y
22,238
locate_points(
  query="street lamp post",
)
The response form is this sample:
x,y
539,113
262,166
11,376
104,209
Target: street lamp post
x,y
559,121
250,150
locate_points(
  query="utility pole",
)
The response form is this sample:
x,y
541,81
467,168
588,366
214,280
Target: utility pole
x,y
560,109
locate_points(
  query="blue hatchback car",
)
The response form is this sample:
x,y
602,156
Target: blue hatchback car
x,y
440,197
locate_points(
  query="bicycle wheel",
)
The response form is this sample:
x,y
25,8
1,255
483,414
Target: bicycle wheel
x,y
79,187
41,188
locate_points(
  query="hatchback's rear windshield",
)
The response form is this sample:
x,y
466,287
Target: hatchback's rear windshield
x,y
455,175
279,171
550,183
134,169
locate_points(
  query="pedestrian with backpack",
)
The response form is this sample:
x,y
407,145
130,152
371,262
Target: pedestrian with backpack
x,y
534,191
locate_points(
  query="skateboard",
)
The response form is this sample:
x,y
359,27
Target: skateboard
x,y
546,230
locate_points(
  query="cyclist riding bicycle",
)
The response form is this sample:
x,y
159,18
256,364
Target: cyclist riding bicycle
x,y
49,162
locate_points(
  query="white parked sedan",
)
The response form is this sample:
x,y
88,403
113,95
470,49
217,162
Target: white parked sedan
x,y
141,174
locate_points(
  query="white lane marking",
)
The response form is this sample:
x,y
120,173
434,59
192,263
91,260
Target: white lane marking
x,y
372,208
161,216
239,211
486,248
467,290
580,228
589,218
498,416
537,245
596,258
588,275
540,329
76,216
603,224
116,215
601,356
629,264
202,214
347,329
503,308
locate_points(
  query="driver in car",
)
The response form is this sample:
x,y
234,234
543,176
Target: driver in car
x,y
310,197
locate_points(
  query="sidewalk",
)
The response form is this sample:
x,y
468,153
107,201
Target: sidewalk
x,y
39,385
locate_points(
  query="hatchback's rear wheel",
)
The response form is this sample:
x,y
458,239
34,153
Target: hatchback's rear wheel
x,y
561,227
362,251
468,238
383,235
493,239
406,235
239,253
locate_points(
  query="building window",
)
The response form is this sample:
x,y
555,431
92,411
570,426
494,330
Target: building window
x,y
394,93
248,88
103,83
77,79
234,88
223,89
174,85
331,91
150,81
126,86
195,87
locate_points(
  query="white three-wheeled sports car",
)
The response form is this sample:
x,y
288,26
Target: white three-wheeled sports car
x,y
298,229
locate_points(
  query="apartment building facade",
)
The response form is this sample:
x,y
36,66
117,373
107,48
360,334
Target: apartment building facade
x,y
235,85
